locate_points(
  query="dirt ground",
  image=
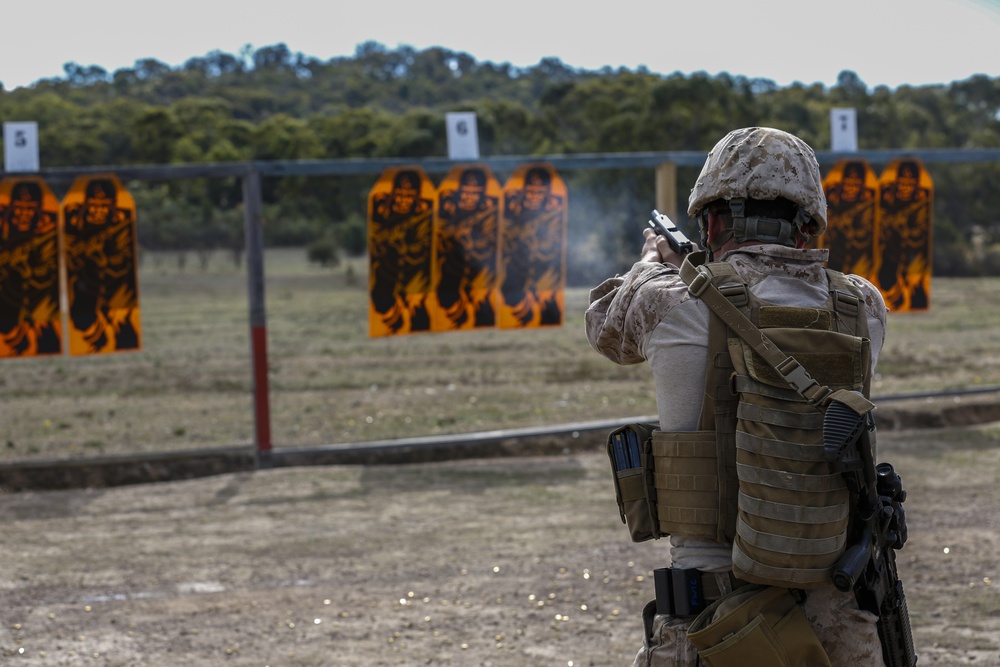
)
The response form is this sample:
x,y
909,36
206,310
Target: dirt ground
x,y
518,562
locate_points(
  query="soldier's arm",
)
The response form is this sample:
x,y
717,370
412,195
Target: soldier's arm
x,y
624,310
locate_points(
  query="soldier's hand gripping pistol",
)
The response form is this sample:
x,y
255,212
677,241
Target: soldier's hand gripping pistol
x,y
665,227
878,529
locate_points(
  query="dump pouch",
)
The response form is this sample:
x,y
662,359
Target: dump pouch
x,y
631,465
757,626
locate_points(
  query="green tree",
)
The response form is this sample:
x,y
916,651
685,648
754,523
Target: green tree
x,y
272,103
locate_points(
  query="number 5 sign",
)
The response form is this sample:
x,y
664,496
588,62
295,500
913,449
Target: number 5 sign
x,y
20,146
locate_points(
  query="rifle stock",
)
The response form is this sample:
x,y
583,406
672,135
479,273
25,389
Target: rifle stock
x,y
868,566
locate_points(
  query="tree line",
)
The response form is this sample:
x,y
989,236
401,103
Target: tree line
x,y
274,104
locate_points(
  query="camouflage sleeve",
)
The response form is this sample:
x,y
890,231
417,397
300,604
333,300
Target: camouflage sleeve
x,y
624,310
876,308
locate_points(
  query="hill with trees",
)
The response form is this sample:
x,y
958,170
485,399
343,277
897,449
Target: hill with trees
x,y
275,104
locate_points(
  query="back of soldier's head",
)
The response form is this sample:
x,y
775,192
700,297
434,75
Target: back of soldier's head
x,y
754,165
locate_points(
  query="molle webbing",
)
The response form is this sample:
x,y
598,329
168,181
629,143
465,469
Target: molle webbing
x,y
686,479
792,512
793,515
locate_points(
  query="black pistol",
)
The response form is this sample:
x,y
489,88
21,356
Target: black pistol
x,y
665,227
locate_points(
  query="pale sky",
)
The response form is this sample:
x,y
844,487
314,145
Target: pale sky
x,y
890,42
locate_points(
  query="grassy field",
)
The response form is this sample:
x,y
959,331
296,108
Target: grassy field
x,y
190,387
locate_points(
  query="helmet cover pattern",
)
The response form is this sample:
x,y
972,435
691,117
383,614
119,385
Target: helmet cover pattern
x,y
762,163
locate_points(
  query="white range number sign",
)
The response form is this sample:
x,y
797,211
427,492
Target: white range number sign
x,y
463,135
20,146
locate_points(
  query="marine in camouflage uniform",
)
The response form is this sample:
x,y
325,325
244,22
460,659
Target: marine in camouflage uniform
x,y
648,315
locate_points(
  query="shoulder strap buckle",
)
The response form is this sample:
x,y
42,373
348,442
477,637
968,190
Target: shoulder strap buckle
x,y
796,375
737,293
699,276
699,282
846,303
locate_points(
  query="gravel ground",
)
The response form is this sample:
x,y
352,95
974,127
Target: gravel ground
x,y
516,561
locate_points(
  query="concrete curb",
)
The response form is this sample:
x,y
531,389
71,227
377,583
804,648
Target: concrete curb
x,y
105,471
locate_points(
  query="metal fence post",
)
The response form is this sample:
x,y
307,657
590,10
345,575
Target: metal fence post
x,y
254,238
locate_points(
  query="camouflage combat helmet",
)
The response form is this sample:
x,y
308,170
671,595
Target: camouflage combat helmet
x,y
762,163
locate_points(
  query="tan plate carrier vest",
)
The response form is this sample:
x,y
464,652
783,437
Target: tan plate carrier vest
x,y
755,473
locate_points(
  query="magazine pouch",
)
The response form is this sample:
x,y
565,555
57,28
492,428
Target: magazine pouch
x,y
631,463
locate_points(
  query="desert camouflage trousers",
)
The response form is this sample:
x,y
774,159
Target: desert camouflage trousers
x,y
848,634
